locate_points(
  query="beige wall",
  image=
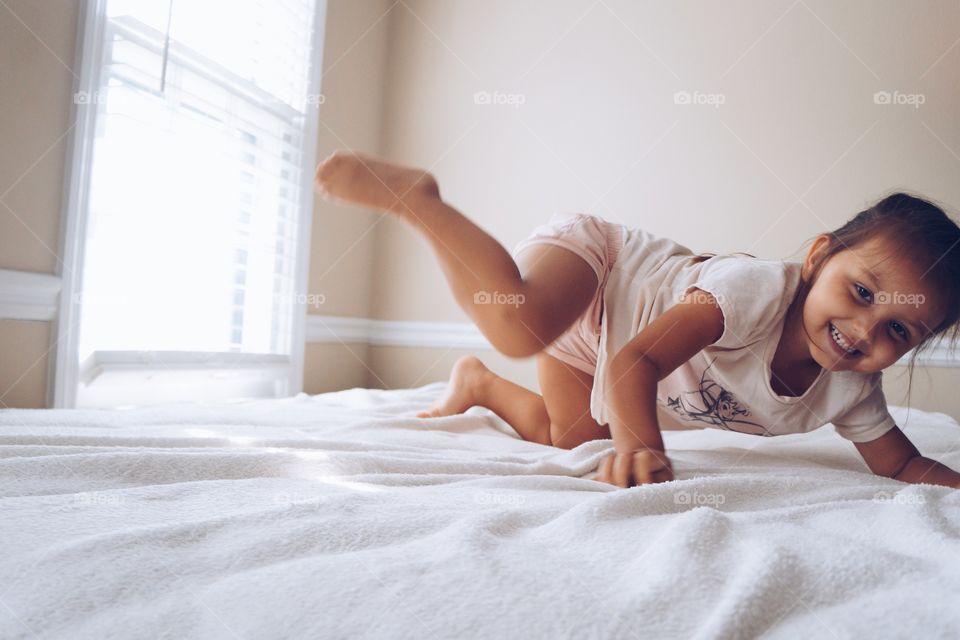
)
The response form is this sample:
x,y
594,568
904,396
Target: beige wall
x,y
797,147
35,111
599,130
343,238
355,50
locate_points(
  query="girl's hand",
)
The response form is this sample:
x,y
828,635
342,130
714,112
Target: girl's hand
x,y
643,466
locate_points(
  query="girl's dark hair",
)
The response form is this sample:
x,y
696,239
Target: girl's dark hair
x,y
921,232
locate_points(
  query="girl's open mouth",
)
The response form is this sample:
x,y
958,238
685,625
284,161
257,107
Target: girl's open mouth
x,y
840,344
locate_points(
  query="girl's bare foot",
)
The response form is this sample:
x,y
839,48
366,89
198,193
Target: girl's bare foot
x,y
361,179
467,379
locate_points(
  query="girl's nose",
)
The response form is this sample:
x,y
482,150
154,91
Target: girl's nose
x,y
860,333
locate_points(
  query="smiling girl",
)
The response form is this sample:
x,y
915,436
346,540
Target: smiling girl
x,y
632,331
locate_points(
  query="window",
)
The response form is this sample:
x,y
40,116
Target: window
x,y
189,201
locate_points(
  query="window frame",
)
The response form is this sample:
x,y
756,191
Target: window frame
x,y
65,376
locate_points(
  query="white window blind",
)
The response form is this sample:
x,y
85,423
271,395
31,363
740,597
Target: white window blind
x,y
195,199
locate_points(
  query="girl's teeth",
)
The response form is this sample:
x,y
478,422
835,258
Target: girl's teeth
x,y
840,341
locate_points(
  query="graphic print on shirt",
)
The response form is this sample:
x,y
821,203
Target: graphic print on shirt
x,y
716,406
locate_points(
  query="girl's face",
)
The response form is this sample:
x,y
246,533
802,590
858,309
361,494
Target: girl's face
x,y
867,307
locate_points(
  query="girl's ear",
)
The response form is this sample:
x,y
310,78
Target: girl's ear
x,y
820,245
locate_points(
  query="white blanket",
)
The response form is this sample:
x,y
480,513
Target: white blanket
x,y
342,516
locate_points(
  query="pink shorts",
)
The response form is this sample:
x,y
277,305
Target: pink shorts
x,y
598,242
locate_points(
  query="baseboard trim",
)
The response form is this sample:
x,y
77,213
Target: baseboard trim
x,y
26,295
397,333
401,333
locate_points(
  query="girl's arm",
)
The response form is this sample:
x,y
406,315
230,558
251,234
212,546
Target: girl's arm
x,y
893,455
663,345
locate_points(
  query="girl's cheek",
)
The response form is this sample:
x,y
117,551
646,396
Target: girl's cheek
x,y
843,299
852,308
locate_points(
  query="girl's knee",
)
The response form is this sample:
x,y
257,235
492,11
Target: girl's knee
x,y
515,332
572,436
565,436
515,346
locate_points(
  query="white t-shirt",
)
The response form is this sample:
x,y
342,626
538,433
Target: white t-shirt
x,y
727,384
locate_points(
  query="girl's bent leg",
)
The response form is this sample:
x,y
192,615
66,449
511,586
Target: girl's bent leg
x,y
566,394
518,313
561,417
472,384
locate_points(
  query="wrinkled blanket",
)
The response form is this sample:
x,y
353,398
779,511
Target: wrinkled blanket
x,y
341,515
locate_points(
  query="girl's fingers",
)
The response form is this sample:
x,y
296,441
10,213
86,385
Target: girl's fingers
x,y
635,468
621,470
663,475
603,475
650,467
641,470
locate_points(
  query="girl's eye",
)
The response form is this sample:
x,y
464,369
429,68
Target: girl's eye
x,y
864,293
896,326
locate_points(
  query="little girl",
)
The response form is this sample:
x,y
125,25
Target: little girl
x,y
632,331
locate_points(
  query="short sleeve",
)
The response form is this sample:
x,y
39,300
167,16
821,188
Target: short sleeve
x,y
751,294
868,419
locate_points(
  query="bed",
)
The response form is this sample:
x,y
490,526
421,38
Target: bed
x,y
340,515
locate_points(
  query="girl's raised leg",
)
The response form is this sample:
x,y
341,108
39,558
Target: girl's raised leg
x,y
519,313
